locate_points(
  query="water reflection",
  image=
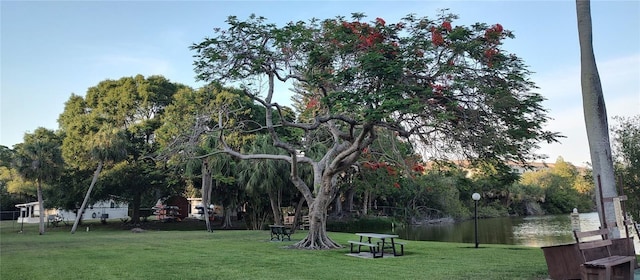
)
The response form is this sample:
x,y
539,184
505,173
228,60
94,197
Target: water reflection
x,y
537,231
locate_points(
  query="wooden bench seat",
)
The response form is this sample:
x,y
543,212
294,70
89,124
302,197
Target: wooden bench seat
x,y
373,248
597,260
609,261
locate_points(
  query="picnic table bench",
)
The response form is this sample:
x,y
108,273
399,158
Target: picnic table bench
x,y
55,220
279,232
373,248
393,247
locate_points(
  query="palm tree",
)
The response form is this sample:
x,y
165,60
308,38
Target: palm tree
x,y
218,180
595,117
266,175
39,159
108,144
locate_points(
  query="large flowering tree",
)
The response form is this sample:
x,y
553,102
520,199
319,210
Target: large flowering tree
x,y
447,87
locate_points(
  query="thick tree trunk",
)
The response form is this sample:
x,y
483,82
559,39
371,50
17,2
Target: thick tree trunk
x,y
207,180
350,195
365,202
337,205
86,198
275,208
317,237
298,215
227,217
135,217
595,116
41,205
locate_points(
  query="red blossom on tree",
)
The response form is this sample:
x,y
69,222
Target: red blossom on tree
x,y
447,26
494,33
498,27
493,36
489,54
436,37
418,168
391,171
367,36
438,89
312,103
368,165
372,166
370,40
396,185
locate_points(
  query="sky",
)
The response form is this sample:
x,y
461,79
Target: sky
x,y
52,49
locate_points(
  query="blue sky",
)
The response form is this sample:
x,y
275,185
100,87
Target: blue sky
x,y
51,49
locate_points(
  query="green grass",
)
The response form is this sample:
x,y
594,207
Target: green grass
x,y
111,253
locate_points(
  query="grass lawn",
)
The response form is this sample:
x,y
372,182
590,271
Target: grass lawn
x,y
111,253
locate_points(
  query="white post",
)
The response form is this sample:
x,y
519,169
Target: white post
x,y
575,220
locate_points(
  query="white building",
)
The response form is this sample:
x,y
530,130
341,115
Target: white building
x,y
521,168
107,209
29,212
196,209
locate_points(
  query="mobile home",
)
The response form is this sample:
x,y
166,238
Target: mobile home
x,y
106,209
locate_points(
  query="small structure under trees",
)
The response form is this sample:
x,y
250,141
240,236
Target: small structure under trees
x,y
105,209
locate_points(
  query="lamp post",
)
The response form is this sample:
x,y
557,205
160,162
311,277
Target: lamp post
x,y
476,197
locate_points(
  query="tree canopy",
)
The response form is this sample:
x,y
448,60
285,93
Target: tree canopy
x,y
448,87
626,147
39,160
116,121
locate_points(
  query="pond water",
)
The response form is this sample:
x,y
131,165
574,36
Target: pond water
x,y
534,231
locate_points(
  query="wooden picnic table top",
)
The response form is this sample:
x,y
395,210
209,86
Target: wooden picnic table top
x,y
377,235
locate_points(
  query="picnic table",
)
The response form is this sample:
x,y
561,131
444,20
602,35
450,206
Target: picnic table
x,y
279,232
377,243
55,220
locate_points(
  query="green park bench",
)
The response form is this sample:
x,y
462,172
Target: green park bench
x,y
279,232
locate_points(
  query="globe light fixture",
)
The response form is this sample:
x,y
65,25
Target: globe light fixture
x,y
475,196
